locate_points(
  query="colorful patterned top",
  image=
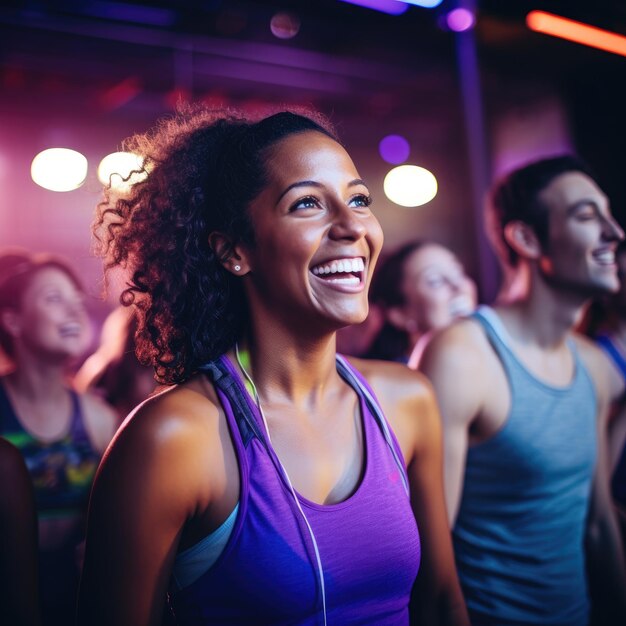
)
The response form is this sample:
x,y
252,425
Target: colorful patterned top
x,y
63,470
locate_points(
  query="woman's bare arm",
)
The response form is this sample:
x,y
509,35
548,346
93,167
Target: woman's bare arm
x,y
154,477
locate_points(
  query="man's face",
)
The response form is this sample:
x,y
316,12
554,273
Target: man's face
x,y
582,236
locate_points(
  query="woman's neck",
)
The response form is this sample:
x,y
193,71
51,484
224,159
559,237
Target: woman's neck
x,y
38,380
288,370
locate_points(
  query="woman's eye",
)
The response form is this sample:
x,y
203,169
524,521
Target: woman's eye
x,y
305,203
361,200
435,281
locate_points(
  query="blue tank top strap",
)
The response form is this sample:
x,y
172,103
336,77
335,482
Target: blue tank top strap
x,y
78,432
497,336
10,423
495,330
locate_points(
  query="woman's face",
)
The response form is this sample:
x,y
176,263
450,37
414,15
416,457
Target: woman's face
x,y
52,319
437,290
316,239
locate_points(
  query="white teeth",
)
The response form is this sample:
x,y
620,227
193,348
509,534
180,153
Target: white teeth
x,y
346,280
340,266
605,257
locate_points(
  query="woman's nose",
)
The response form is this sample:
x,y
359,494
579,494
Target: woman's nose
x,y
347,225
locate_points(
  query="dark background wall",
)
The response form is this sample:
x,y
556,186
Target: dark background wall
x,y
87,74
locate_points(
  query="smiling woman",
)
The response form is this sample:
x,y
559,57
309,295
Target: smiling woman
x,y
43,327
266,485
420,288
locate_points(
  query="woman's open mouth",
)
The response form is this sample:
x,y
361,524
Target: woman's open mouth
x,y
344,271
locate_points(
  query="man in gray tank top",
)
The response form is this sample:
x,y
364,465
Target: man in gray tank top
x,y
524,402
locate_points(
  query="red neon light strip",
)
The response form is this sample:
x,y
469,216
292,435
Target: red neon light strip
x,y
577,32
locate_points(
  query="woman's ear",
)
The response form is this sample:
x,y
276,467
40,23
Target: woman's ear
x,y
522,238
232,257
10,323
398,317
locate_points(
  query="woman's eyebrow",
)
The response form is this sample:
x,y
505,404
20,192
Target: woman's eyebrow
x,y
300,183
312,183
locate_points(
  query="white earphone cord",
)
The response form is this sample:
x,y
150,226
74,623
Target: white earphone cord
x,y
288,480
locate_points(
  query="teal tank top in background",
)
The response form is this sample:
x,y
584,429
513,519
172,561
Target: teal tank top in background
x,y
519,534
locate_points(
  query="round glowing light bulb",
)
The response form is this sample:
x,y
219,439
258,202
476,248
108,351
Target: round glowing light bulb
x,y
115,170
460,20
394,149
59,169
410,185
285,25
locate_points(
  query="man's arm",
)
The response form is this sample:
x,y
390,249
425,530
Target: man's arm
x,y
604,549
455,366
605,552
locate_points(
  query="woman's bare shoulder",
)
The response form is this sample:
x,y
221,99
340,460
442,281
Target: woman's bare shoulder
x,y
393,380
183,411
167,457
407,401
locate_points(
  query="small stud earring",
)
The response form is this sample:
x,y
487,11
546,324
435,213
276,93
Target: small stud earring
x,y
237,268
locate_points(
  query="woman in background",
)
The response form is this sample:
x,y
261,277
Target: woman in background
x,y
420,287
266,486
61,435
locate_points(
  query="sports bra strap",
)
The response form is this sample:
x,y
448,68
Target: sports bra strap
x,y
227,382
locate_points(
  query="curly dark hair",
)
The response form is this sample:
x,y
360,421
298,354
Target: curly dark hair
x,y
202,170
516,197
17,269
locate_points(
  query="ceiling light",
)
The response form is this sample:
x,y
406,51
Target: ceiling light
x,y
59,169
410,185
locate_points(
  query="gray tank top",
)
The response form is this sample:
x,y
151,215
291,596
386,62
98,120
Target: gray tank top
x,y
519,534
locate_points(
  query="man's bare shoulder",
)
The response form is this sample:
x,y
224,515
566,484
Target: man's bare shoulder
x,y
461,346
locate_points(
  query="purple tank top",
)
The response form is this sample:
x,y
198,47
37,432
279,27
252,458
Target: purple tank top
x,y
267,574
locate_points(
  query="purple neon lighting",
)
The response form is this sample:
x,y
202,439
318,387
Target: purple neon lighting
x,y
427,4
392,7
394,149
460,20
